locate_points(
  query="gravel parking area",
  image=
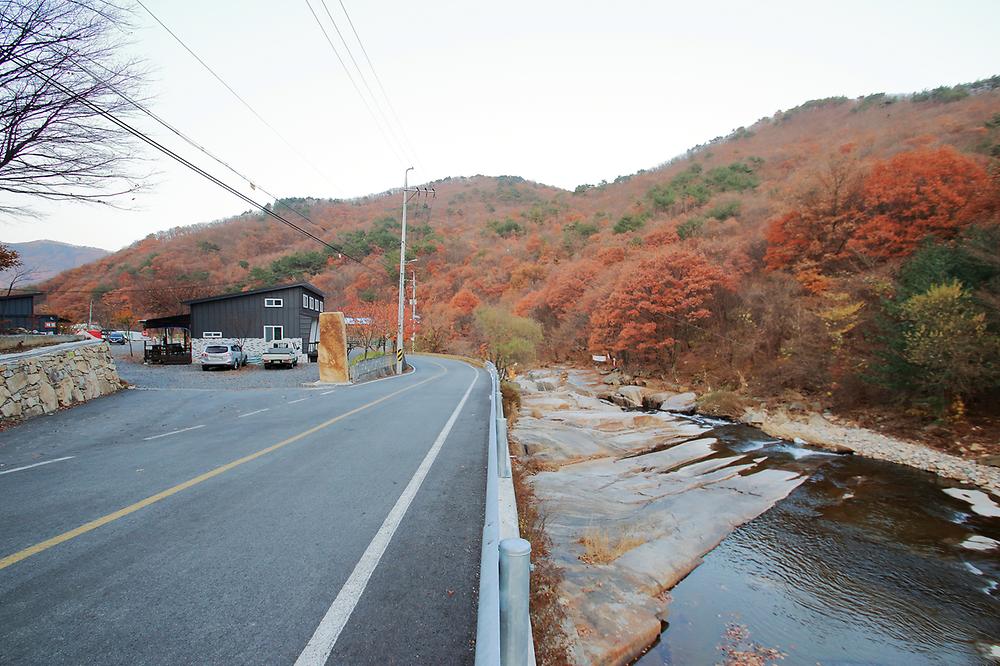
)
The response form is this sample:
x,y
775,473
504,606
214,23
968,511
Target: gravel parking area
x,y
134,372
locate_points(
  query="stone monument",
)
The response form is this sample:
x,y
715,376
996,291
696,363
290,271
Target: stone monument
x,y
333,364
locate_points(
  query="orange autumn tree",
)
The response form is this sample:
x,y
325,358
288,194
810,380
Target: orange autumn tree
x,y
811,239
565,290
654,306
916,194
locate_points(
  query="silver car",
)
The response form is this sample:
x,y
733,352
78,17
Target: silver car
x,y
223,356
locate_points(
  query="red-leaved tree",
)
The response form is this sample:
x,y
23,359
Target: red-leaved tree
x,y
655,306
916,194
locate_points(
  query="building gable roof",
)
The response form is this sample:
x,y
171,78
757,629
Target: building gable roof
x,y
22,295
265,290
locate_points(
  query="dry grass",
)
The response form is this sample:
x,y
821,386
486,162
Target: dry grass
x,y
547,614
511,401
601,546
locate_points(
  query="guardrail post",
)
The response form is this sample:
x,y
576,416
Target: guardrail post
x,y
503,453
515,624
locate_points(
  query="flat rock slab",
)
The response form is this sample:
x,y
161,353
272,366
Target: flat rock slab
x,y
647,492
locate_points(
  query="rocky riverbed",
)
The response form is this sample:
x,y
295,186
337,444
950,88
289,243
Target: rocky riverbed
x,y
815,429
634,498
632,502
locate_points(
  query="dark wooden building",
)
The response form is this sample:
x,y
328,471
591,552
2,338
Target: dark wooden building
x,y
17,311
257,318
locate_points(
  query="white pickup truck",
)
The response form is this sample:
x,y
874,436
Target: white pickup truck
x,y
281,354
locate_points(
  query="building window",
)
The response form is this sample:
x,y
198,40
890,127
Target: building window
x,y
212,334
273,302
313,303
272,333
321,306
305,301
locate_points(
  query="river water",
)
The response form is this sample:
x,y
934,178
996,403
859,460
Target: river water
x,y
865,563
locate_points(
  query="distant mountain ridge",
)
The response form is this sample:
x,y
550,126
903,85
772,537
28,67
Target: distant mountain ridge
x,y
48,258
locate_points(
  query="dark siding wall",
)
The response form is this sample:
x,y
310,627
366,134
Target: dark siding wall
x,y
246,316
17,307
17,313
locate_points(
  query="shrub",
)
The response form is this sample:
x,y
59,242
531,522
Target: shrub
x,y
507,228
947,338
725,211
690,227
736,177
631,222
942,94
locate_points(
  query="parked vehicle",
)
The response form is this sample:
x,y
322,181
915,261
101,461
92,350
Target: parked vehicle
x,y
280,356
223,356
116,338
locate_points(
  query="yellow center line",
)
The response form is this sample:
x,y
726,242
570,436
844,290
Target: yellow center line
x,y
153,499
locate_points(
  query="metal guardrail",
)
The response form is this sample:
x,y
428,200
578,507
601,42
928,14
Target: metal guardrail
x,y
503,627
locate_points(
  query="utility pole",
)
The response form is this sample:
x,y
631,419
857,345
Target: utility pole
x,y
90,319
408,193
402,276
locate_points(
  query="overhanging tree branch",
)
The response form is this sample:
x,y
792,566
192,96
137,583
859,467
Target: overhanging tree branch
x,y
54,145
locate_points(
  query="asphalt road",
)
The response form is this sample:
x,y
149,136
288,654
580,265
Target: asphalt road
x,y
256,526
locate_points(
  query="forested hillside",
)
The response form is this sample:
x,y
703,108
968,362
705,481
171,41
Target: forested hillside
x,y
846,250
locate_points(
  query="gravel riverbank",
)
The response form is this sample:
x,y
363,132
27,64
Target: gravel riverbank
x,y
823,432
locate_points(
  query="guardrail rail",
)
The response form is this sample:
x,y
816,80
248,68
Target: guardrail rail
x,y
503,627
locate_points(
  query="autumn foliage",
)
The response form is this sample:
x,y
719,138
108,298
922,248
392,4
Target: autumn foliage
x,y
883,214
917,194
762,259
656,305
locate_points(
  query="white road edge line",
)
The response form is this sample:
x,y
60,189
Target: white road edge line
x,y
292,402
254,412
318,650
326,392
47,462
172,432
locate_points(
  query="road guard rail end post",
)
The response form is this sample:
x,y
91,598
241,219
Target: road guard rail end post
x,y
503,626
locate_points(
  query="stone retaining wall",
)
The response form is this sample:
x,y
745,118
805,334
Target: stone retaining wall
x,y
373,368
254,347
41,381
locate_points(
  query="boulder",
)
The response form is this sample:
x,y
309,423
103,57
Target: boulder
x,y
681,403
630,397
613,378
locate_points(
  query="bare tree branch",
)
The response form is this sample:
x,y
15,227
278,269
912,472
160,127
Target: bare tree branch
x,y
53,144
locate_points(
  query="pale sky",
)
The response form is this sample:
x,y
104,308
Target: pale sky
x,y
561,92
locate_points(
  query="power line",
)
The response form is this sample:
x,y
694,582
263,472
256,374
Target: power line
x,y
235,94
152,142
378,80
364,80
149,112
353,82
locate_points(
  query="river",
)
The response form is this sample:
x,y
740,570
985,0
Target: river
x,y
865,563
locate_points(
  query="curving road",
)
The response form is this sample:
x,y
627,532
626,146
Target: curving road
x,y
260,526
